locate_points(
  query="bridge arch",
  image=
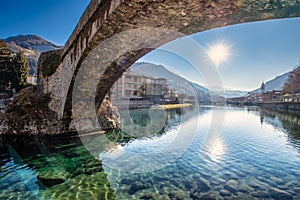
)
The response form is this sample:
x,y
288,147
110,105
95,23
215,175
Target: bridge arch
x,y
104,18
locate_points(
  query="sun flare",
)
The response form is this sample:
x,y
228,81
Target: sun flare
x,y
218,53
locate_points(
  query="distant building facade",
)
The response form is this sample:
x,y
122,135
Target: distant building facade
x,y
128,86
155,89
137,86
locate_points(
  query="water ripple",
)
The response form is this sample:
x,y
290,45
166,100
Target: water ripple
x,y
248,160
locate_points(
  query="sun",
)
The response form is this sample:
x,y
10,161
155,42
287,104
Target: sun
x,y
218,53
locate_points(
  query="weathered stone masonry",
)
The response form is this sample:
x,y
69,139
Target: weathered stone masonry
x,y
105,18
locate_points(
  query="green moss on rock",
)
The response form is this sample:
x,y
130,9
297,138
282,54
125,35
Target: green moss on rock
x,y
50,64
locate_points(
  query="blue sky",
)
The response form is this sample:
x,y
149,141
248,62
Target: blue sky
x,y
259,51
53,20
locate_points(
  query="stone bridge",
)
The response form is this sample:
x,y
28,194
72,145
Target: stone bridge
x,y
104,19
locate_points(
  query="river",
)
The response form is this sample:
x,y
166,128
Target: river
x,y
218,153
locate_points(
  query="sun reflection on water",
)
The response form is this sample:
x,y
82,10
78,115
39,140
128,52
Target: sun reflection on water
x,y
217,150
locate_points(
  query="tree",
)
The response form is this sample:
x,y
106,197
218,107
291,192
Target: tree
x,y
13,69
21,69
7,73
292,85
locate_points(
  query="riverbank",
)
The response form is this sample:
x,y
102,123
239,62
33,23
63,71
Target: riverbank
x,y
289,107
28,113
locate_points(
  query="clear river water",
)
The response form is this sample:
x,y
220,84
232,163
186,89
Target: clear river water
x,y
218,153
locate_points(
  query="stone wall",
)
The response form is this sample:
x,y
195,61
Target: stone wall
x,y
288,107
43,79
28,114
82,37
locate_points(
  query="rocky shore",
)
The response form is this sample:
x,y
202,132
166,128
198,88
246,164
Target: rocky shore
x,y
28,113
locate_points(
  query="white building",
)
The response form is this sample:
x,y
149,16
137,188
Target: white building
x,y
132,85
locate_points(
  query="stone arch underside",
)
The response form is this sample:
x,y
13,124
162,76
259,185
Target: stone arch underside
x,y
105,18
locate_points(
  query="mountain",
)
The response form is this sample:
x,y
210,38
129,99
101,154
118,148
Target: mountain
x,y
174,81
235,93
32,46
229,93
274,84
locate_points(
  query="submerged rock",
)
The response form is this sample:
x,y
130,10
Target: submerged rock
x,y
138,186
225,193
260,194
202,185
49,182
149,197
160,178
126,181
232,185
279,194
177,194
278,181
217,180
204,196
176,182
190,185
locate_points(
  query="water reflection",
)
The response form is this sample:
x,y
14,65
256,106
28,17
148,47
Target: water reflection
x,y
150,152
255,156
290,123
248,160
